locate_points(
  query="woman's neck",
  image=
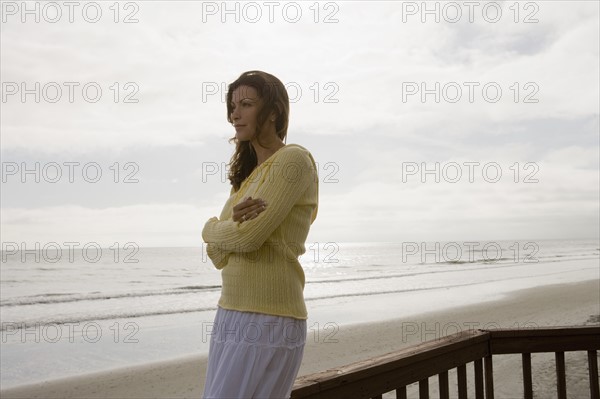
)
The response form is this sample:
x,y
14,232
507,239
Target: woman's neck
x,y
262,154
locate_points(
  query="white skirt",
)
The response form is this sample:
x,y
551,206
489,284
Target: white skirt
x,y
253,355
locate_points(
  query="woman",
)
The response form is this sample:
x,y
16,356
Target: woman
x,y
259,333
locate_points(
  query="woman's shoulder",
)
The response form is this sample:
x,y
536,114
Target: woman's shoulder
x,y
295,151
295,148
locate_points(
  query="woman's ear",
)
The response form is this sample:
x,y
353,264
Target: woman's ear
x,y
276,111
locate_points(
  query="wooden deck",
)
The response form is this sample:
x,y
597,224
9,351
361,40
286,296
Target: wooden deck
x,y
394,371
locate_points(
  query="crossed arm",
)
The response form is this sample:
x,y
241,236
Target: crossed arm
x,y
292,175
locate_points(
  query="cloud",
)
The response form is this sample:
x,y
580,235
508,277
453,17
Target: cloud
x,y
348,81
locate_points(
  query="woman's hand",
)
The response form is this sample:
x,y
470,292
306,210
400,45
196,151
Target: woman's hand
x,y
248,209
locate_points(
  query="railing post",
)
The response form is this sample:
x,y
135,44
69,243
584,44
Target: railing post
x,y
461,372
593,371
443,382
561,381
489,377
527,383
424,389
401,393
478,366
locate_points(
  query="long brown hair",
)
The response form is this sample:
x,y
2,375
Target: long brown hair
x,y
274,98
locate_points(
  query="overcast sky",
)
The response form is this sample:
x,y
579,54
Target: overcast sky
x,y
501,98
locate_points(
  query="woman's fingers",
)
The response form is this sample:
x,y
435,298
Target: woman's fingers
x,y
248,209
256,210
247,203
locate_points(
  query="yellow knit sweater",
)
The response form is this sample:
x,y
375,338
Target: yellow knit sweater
x,y
259,258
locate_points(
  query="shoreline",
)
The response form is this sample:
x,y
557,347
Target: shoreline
x,y
183,377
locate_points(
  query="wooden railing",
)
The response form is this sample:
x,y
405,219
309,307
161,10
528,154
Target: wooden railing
x,y
394,371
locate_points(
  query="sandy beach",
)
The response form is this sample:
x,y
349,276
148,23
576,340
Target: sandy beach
x,y
555,305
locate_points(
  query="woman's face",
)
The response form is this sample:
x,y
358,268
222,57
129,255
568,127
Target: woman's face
x,y
245,105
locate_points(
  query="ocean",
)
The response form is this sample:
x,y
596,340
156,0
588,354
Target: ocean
x,y
69,311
